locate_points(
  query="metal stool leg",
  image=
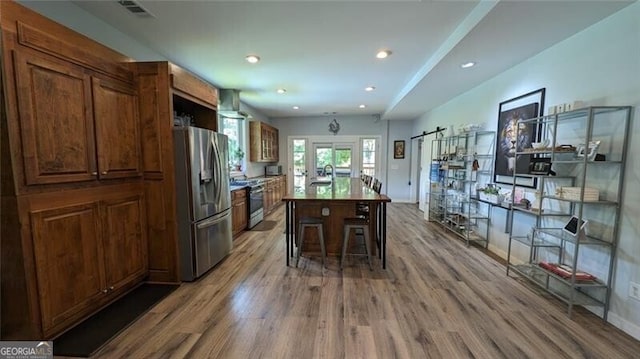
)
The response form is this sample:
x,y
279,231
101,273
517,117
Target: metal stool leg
x,y
300,241
322,247
367,245
345,244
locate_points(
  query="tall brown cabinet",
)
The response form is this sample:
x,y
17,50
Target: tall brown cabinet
x,y
87,197
165,88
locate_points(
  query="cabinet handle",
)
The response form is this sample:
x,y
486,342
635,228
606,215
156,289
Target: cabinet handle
x,y
105,290
111,288
104,172
94,173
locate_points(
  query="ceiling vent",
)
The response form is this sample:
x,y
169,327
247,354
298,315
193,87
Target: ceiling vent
x,y
135,8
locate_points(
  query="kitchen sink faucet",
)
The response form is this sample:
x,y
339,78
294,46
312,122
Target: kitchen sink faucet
x,y
324,170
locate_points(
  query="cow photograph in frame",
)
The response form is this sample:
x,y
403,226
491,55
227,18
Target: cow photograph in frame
x,y
398,149
514,136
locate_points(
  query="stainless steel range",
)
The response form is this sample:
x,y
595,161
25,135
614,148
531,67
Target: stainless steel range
x,y
256,200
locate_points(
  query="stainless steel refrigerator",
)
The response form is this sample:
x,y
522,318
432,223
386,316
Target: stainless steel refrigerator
x,y
203,199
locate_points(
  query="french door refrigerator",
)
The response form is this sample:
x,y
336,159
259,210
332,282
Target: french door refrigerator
x,y
203,199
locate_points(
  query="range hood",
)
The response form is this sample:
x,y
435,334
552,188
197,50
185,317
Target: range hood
x,y
229,104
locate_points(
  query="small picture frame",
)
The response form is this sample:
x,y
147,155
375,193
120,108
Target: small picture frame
x,y
572,226
540,166
398,149
582,150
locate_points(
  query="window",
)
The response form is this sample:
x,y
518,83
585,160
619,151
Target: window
x,y
369,156
234,128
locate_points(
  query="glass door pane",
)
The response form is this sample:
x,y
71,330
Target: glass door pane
x,y
343,160
299,155
369,156
323,157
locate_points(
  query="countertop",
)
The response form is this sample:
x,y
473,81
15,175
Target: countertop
x,y
235,188
341,189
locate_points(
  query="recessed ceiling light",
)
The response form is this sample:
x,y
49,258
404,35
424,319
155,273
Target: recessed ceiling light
x,y
252,59
369,88
362,106
383,54
296,107
468,64
281,90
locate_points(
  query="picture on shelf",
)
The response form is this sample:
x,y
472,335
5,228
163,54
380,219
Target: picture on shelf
x,y
514,137
540,166
590,152
572,226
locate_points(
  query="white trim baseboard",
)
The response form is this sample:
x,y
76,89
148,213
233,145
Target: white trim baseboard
x,y
624,325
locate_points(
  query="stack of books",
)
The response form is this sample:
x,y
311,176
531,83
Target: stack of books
x,y
566,271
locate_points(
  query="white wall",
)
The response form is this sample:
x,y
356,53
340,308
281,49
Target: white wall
x,y
398,182
601,66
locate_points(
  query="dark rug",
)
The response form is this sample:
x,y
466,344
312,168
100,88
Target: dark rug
x,y
264,226
89,336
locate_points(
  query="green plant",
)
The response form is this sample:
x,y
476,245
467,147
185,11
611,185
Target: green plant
x,y
491,189
238,154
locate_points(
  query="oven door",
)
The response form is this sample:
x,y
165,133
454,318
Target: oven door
x,y
256,204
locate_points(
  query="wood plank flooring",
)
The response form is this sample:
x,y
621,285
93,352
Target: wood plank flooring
x,y
437,299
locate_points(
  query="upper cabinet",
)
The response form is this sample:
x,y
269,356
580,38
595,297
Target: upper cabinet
x,y
263,142
117,127
56,120
75,125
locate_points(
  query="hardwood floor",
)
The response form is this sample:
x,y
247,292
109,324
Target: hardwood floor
x,y
437,299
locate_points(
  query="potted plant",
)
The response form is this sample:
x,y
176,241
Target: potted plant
x,y
490,193
237,156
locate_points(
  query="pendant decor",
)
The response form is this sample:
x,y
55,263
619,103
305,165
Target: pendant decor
x,y
334,127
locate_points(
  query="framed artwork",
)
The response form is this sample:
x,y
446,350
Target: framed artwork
x,y
398,149
513,137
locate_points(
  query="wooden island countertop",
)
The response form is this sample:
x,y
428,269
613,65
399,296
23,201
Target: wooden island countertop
x,y
338,201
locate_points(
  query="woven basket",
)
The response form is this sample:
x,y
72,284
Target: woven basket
x,y
573,193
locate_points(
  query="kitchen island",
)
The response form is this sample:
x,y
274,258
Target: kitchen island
x,y
334,202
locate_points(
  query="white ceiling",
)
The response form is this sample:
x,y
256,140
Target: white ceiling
x,y
323,52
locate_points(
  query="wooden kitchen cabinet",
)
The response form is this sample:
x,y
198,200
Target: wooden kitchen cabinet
x,y
239,212
263,142
117,126
74,221
68,282
163,89
77,126
108,238
274,190
55,106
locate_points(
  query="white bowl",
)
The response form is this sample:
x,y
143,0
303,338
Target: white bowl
x,y
538,145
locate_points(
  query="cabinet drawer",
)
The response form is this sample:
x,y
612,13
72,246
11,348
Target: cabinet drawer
x,y
239,195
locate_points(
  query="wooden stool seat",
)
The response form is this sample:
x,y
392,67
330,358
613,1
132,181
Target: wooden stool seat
x,y
311,222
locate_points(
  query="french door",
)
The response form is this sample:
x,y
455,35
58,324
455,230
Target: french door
x,y
334,159
345,156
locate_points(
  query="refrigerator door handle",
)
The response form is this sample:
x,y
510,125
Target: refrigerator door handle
x,y
213,220
216,165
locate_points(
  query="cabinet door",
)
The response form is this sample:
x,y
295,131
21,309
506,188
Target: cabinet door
x,y
56,124
117,129
124,241
66,244
239,214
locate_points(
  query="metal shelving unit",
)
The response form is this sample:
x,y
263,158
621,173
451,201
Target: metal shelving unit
x,y
576,269
459,164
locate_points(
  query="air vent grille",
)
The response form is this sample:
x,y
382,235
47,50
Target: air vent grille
x,y
135,8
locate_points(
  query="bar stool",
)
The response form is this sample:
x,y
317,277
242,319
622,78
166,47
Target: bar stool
x,y
310,222
360,225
